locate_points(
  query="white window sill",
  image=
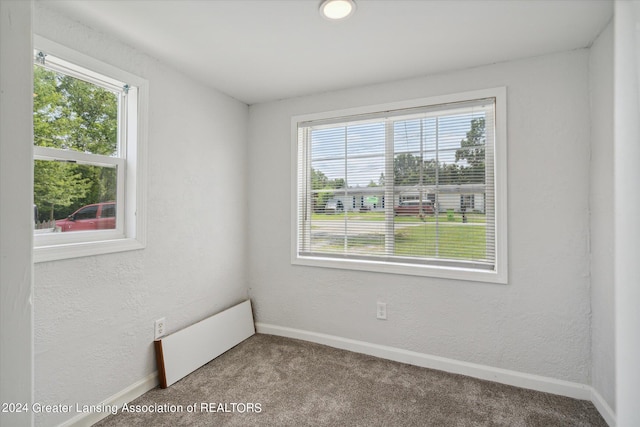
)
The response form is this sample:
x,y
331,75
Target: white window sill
x,y
405,269
78,250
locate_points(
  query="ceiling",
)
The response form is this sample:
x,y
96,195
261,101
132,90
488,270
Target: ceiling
x,y
263,50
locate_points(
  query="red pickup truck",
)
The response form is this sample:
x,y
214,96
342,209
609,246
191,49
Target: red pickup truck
x,y
99,216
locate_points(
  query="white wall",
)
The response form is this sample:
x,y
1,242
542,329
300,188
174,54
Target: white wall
x,y
16,210
94,316
539,322
601,207
627,206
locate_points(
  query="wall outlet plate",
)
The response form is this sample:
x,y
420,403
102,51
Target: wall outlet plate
x,y
381,312
159,328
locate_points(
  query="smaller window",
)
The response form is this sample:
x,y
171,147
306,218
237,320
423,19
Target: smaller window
x,y
89,122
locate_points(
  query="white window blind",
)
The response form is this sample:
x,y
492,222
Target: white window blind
x,y
404,187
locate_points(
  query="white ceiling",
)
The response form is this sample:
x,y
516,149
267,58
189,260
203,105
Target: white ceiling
x,y
263,50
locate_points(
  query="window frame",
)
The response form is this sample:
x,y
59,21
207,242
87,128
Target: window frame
x,y
130,231
498,275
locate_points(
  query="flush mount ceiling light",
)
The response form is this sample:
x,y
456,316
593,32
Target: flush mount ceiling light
x,y
337,9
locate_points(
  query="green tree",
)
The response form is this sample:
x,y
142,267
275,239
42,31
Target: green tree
x,y
451,173
406,169
75,115
472,149
410,170
57,184
337,183
102,182
322,186
319,180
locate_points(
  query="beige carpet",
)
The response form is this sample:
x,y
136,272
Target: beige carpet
x,y
275,381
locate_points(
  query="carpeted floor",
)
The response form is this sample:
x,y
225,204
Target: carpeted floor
x,y
275,381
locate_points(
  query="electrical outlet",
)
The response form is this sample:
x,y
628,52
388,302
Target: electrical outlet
x,y
160,326
382,311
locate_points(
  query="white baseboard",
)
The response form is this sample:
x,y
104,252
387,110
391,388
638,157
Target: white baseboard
x,y
130,393
503,376
603,407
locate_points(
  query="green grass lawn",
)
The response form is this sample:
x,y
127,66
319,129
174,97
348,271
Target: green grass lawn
x,y
379,216
450,241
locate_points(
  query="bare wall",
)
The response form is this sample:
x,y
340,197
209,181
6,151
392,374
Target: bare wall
x,y
94,315
601,206
626,206
16,195
539,322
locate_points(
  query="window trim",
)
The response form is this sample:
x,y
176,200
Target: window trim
x,y
132,234
498,275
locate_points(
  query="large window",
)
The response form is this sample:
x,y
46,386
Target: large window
x,y
88,139
414,188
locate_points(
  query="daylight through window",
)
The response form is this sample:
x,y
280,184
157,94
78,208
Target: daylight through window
x,y
412,188
85,148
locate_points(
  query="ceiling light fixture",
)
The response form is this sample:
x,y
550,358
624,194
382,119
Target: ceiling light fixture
x,y
337,9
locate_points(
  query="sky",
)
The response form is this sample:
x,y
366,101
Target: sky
x,y
357,151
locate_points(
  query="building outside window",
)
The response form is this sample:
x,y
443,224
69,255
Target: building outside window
x,y
443,164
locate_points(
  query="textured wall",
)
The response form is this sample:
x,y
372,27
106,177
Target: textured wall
x,y
539,322
94,315
601,206
627,205
16,193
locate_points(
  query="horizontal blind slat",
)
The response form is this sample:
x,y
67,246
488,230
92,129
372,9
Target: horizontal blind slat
x,y
436,209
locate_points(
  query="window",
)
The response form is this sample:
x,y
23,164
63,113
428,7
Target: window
x,y
89,121
429,178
